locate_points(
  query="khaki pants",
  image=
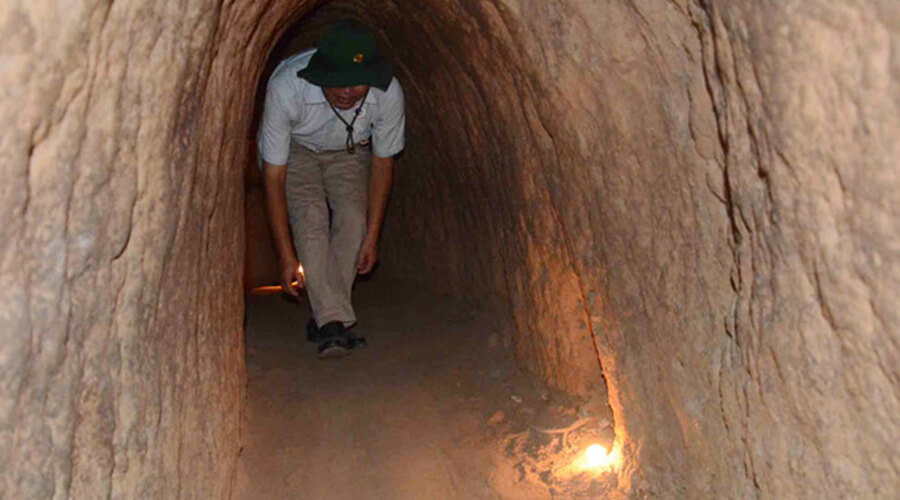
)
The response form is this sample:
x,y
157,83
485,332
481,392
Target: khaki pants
x,y
327,196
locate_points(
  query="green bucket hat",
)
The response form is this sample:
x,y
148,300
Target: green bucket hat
x,y
348,56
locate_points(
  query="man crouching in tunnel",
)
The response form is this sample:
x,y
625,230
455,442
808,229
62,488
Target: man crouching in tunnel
x,y
333,120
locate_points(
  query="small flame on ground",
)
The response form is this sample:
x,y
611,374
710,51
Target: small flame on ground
x,y
301,271
597,456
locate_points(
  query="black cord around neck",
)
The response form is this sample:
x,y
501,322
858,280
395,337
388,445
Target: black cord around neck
x,y
351,147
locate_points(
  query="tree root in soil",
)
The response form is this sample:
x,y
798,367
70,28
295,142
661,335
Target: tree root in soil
x,y
578,424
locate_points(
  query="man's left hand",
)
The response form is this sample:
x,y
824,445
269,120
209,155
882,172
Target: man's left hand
x,y
368,255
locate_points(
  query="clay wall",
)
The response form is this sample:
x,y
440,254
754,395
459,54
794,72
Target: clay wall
x,y
694,199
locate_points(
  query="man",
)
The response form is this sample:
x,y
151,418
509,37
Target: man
x,y
333,120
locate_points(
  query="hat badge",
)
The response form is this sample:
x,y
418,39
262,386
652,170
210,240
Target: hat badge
x,y
358,58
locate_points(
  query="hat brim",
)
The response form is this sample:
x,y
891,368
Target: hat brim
x,y
376,73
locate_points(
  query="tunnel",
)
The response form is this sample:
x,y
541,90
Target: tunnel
x,y
683,213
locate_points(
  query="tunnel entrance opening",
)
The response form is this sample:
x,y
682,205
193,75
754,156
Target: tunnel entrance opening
x,y
441,385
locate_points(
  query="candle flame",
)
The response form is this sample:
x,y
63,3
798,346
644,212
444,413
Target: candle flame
x,y
275,289
302,273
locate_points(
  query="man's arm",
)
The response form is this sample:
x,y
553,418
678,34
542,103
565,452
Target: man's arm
x,y
380,179
388,133
276,207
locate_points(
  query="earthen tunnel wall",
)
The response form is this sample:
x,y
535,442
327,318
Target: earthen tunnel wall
x,y
696,196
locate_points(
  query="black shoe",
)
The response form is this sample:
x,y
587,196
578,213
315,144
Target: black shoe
x,y
333,341
333,349
354,342
312,331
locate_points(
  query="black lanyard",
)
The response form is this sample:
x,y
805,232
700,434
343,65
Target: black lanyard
x,y
351,147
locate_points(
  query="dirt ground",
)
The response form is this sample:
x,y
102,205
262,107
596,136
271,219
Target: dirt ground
x,y
433,408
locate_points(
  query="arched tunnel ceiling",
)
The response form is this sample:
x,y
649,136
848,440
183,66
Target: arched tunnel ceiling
x,y
698,195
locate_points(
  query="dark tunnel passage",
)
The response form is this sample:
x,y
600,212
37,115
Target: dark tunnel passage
x,y
564,359
474,213
682,209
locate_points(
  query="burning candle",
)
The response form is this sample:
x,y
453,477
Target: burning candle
x,y
302,273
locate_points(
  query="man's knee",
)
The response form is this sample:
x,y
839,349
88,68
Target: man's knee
x,y
309,222
349,218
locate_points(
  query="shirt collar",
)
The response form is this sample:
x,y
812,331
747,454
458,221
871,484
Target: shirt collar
x,y
313,94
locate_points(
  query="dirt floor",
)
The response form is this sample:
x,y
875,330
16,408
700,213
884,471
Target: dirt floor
x,y
433,409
